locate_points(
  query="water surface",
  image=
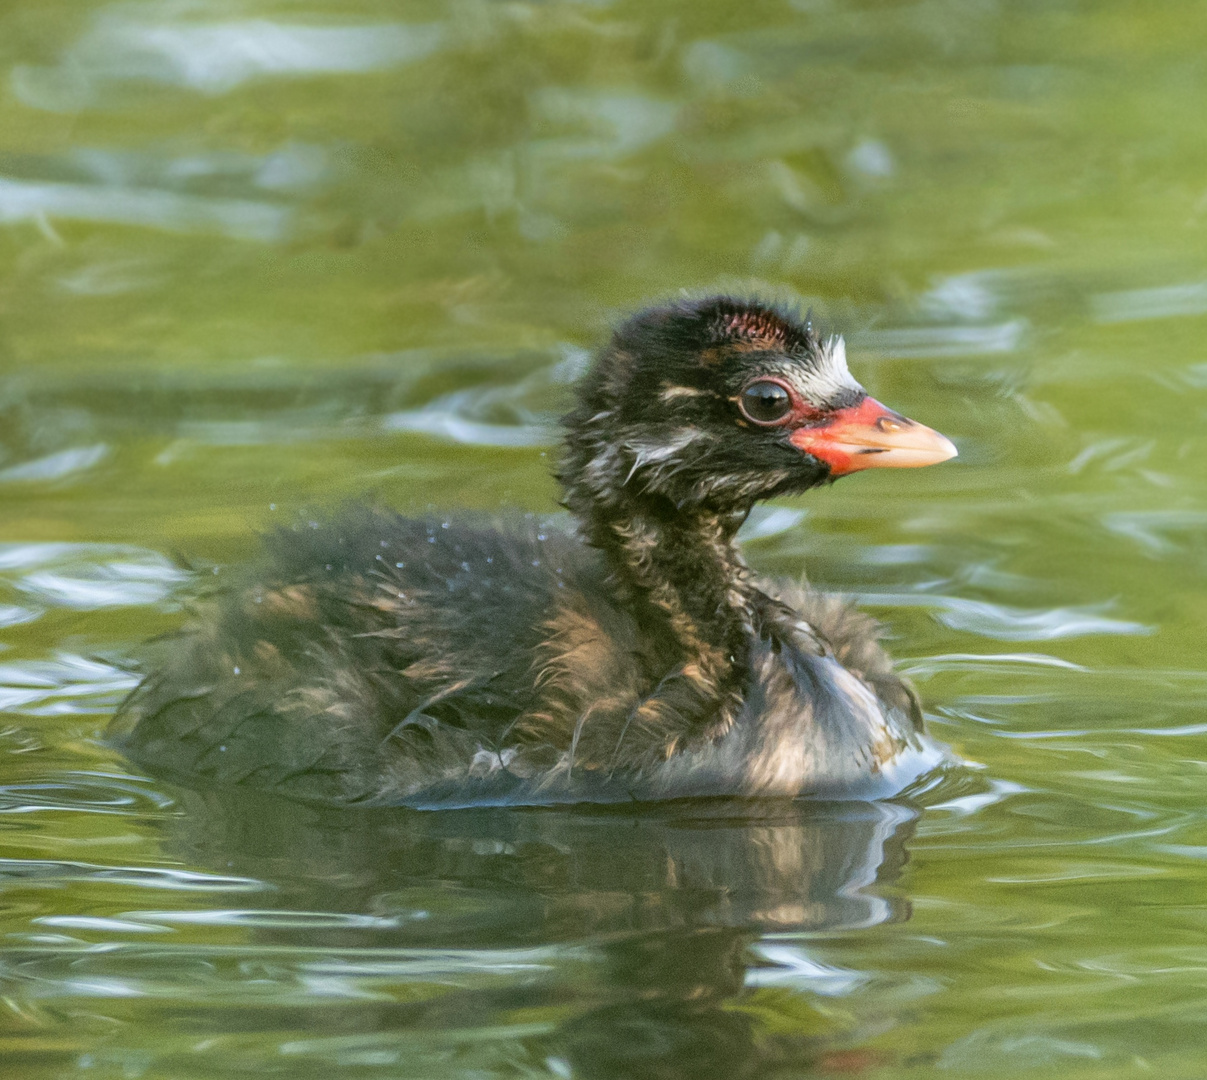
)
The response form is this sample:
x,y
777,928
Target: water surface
x,y
258,256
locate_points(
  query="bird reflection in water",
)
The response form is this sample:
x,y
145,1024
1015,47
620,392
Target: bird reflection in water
x,y
643,936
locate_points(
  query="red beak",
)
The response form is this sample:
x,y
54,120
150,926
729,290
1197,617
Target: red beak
x,y
870,436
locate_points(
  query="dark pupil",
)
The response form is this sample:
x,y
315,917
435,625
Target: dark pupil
x,y
765,401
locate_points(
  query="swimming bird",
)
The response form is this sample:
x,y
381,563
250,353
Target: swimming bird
x,y
373,658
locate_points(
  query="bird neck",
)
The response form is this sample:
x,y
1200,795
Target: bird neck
x,y
684,570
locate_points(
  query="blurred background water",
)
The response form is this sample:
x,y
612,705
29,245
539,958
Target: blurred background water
x,y
258,255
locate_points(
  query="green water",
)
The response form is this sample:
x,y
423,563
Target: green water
x,y
256,257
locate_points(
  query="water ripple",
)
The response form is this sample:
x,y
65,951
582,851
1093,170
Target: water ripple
x,y
1164,302
87,577
791,966
56,873
926,341
619,123
445,422
964,805
58,465
82,792
507,415
990,663
68,684
150,208
1005,623
114,585
99,925
213,57
275,920
1150,529
1016,624
424,963
764,521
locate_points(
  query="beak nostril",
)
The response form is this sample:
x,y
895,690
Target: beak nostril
x,y
887,423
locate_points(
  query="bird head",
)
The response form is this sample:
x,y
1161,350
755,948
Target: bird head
x,y
723,402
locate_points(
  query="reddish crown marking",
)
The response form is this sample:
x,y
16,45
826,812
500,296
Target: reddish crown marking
x,y
760,328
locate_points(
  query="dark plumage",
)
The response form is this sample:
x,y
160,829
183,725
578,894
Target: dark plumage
x,y
372,657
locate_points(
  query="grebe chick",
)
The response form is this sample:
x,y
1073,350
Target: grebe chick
x,y
376,658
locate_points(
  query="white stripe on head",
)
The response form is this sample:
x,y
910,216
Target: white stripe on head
x,y
670,393
828,376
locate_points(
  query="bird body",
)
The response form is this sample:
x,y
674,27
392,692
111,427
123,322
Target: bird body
x,y
375,658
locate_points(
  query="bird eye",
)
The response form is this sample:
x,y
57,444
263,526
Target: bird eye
x,y
765,402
